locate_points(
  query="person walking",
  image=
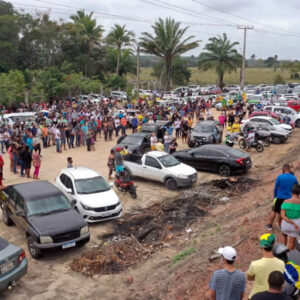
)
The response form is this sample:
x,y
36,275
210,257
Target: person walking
x,y
282,191
227,283
259,270
36,162
275,291
111,163
290,214
27,161
153,141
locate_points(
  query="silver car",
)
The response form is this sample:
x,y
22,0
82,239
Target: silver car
x,y
13,264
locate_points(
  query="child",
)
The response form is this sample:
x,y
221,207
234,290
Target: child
x,y
69,162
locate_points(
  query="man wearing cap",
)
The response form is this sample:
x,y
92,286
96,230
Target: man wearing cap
x,y
259,270
227,283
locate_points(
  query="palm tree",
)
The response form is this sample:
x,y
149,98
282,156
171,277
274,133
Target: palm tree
x,y
119,36
88,31
167,42
220,55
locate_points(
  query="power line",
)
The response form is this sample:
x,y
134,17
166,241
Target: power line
x,y
243,18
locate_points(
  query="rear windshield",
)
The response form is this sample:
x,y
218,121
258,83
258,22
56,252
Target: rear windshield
x,y
236,152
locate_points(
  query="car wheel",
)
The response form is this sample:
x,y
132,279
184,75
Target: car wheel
x,y
276,140
171,184
34,251
297,123
191,144
6,219
224,170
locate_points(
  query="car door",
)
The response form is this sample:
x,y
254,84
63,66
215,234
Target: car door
x,y
199,159
214,160
152,169
20,219
10,202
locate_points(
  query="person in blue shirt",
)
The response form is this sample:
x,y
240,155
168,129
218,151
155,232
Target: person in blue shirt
x,y
134,124
282,191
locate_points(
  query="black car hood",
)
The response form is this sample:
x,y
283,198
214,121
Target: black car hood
x,y
57,223
201,134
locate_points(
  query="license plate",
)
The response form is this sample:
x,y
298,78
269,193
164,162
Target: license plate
x,y
107,214
7,267
68,245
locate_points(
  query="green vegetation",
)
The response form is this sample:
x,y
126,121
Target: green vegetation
x,y
221,56
168,42
252,76
181,256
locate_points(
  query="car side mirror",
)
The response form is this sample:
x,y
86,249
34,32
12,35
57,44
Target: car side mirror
x,y
69,191
73,202
20,213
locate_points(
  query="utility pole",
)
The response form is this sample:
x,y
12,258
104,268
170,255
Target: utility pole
x,y
138,69
245,28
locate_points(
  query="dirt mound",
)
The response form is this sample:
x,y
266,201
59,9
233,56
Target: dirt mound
x,y
136,236
112,258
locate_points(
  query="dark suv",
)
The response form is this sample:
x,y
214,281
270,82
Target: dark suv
x,y
205,132
45,214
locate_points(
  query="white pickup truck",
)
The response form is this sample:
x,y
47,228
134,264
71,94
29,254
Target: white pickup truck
x,y
162,167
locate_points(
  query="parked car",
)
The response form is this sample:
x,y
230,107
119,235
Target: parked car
x,y
278,135
170,95
218,106
46,216
295,104
162,167
215,158
138,143
285,111
13,264
95,199
203,133
158,128
11,119
264,113
119,95
194,88
270,121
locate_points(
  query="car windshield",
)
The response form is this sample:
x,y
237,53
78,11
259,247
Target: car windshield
x,y
235,152
22,118
168,161
148,127
132,140
48,205
91,185
275,122
203,128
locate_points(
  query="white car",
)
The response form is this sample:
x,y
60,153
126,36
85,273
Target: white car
x,y
162,167
285,111
119,95
170,95
11,119
90,194
268,120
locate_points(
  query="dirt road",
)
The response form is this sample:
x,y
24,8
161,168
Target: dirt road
x,y
51,277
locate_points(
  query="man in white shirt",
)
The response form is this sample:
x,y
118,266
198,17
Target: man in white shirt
x,y
57,139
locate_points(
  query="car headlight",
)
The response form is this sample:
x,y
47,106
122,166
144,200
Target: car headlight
x,y
46,239
84,230
182,176
85,207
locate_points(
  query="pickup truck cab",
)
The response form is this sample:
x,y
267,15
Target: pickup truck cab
x,y
45,215
162,167
95,199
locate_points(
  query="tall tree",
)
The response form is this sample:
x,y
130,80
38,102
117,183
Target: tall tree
x,y
119,37
90,33
167,42
220,55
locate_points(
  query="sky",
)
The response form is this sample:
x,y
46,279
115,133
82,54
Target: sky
x,y
276,23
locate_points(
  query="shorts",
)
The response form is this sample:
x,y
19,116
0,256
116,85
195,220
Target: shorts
x,y
277,206
289,229
119,169
153,147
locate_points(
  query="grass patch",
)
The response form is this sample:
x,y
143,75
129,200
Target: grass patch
x,y
182,255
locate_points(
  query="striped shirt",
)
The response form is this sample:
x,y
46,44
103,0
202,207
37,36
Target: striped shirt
x,y
228,285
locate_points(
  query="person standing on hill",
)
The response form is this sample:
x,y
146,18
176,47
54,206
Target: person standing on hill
x,y
282,191
227,283
259,270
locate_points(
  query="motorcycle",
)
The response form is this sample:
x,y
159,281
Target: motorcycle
x,y
124,183
257,145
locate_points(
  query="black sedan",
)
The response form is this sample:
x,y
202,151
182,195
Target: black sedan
x,y
215,158
138,143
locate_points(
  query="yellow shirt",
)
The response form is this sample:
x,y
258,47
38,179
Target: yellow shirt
x,y
236,128
229,129
261,269
230,102
160,147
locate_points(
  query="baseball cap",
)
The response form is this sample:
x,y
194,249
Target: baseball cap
x,y
228,252
266,240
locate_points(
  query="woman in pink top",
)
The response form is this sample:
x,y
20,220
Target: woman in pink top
x,y
222,119
36,161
